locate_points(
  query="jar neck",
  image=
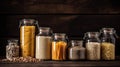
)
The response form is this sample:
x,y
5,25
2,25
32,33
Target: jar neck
x,y
76,43
92,35
59,36
45,31
108,35
12,42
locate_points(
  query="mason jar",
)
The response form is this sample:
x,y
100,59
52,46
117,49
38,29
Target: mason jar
x,y
27,37
92,44
108,43
43,43
76,51
59,46
12,49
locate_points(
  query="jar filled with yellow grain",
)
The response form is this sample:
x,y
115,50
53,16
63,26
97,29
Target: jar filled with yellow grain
x,y
108,43
27,37
59,46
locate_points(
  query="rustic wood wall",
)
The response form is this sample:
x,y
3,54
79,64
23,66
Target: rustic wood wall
x,y
74,17
59,6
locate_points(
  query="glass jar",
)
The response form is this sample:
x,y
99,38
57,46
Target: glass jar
x,y
12,49
92,44
27,37
43,43
108,43
76,51
59,46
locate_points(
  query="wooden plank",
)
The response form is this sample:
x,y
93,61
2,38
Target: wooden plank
x,y
59,7
62,64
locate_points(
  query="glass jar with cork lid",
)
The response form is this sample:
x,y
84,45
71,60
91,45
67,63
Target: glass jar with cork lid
x,y
108,43
27,37
93,45
76,51
59,46
43,43
12,49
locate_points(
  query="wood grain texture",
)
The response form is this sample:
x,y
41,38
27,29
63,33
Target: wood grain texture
x,y
63,64
59,7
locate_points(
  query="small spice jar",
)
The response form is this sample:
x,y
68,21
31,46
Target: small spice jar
x,y
59,46
76,51
12,49
108,43
92,44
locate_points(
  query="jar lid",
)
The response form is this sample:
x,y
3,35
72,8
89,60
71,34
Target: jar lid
x,y
29,22
77,43
108,30
59,35
92,34
13,41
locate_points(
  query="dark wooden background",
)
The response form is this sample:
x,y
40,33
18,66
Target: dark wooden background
x,y
73,17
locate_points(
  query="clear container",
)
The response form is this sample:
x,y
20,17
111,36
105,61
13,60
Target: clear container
x,y
92,44
59,46
12,49
43,43
27,37
76,51
108,43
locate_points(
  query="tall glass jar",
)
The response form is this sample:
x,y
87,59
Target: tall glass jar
x,y
92,44
108,43
27,37
59,46
43,43
12,49
76,51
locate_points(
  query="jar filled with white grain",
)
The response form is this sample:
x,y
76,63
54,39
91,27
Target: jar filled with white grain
x,y
108,43
43,44
92,44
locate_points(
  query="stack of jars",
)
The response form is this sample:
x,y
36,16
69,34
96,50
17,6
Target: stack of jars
x,y
47,45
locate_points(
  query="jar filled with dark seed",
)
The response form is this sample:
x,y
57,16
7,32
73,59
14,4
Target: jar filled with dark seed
x,y
12,49
76,51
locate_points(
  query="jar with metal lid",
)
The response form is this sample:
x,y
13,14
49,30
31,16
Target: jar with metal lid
x,y
59,46
92,44
108,43
27,37
43,43
12,49
76,51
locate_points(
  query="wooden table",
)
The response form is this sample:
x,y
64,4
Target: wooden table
x,y
63,64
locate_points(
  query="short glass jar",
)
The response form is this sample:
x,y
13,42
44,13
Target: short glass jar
x,y
59,46
12,49
76,51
